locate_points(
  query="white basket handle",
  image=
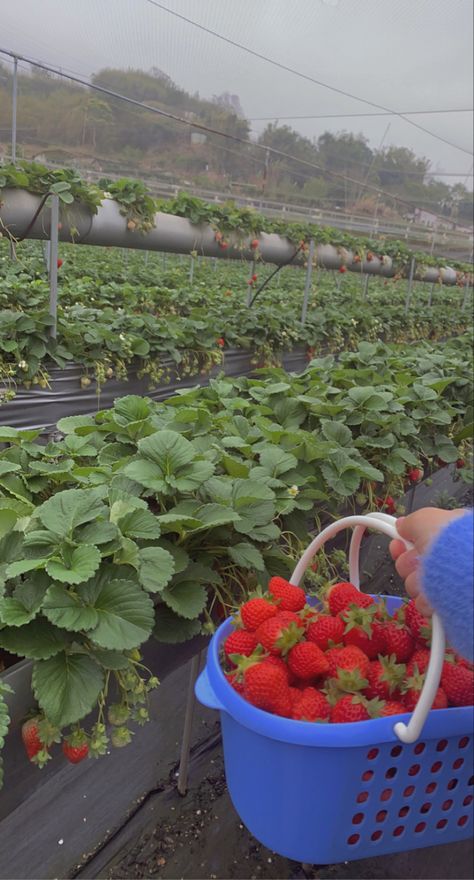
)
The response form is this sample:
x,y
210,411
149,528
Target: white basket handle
x,y
382,522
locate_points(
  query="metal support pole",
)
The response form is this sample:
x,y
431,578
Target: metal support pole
x,y
182,783
214,264
466,294
410,285
53,264
307,285
430,298
365,289
249,285
14,107
146,257
164,261
191,270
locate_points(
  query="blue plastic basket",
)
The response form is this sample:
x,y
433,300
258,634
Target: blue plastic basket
x,y
327,793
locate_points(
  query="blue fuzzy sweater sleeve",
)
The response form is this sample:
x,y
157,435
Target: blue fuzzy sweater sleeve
x,y
448,582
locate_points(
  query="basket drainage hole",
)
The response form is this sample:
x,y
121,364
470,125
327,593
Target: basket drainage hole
x,y
463,742
381,816
436,766
447,804
362,797
386,794
462,821
452,784
442,823
414,770
367,775
403,812
431,787
372,754
376,835
425,808
419,748
441,745
357,818
467,800
420,827
354,838
458,763
409,791
396,751
398,831
470,780
391,772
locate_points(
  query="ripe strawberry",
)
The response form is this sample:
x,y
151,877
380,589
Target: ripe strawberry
x,y
254,244
458,683
31,738
273,660
278,636
75,753
287,596
348,668
364,631
290,617
307,661
460,463
399,640
310,706
342,269
266,687
60,262
418,662
255,611
385,677
223,245
254,277
419,626
340,595
415,475
370,256
325,629
412,690
220,342
350,707
240,642
391,707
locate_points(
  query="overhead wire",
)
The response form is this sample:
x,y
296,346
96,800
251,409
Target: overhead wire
x,y
302,75
208,129
365,115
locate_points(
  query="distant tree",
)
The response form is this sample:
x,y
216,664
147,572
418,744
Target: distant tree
x,y
229,102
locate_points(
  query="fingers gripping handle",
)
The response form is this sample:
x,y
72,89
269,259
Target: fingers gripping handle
x,y
384,523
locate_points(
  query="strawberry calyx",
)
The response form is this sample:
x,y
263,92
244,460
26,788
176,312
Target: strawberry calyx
x,y
354,616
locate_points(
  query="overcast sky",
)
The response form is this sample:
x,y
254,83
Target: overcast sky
x,y
403,54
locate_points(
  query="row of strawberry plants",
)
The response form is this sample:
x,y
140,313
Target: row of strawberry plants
x,y
229,221
158,518
114,317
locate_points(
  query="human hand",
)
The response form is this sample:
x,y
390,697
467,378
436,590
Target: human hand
x,y
420,529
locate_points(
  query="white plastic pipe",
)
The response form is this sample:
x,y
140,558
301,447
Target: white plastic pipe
x,y
177,235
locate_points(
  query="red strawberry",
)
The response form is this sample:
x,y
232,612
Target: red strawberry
x,y
287,596
254,244
278,636
266,687
273,660
60,262
310,706
385,676
391,707
413,688
458,683
399,641
75,753
460,463
307,661
220,342
348,669
332,657
415,475
254,277
240,642
340,595
350,707
364,631
419,626
342,269
325,629
30,737
255,611
418,662
290,617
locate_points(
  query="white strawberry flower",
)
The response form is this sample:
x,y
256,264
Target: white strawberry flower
x,y
293,491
